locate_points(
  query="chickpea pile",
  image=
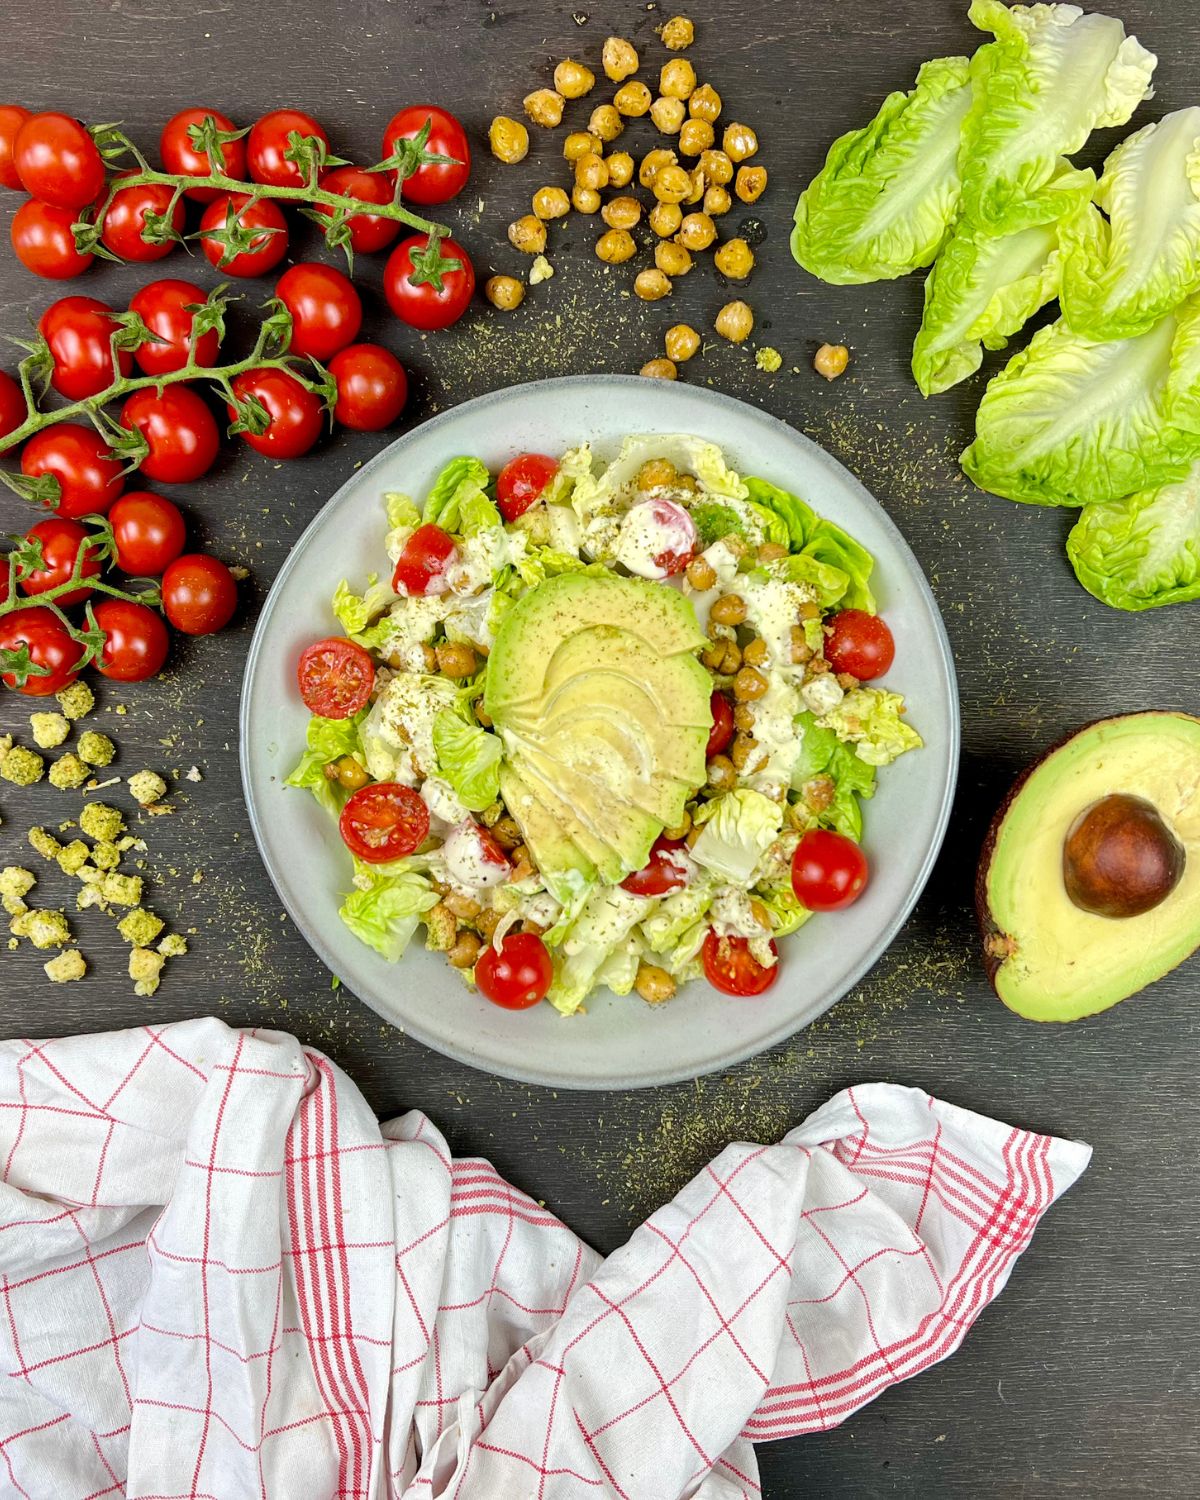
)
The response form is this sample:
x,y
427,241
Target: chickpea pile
x,y
692,181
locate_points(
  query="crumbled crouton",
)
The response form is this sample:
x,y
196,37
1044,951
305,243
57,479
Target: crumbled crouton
x,y
73,856
49,730
145,966
45,843
99,821
21,766
96,749
147,787
140,928
44,929
76,700
121,890
67,966
68,772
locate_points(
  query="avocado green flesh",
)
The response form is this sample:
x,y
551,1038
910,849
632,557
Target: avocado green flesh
x,y
1066,963
558,856
628,833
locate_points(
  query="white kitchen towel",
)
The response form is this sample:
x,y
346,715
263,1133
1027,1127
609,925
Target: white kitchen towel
x,y
223,1279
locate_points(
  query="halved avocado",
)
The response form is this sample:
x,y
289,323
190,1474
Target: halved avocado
x,y
1089,882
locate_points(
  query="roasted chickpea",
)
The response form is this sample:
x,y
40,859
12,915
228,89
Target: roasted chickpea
x,y
585,200
717,167
620,169
739,141
749,684
681,829
721,775
681,341
729,609
590,172
656,473
743,714
348,773
651,285
544,107
572,79
527,234
464,907
750,183
735,322
705,103
701,574
456,659
508,139
605,122
672,259
696,192
465,950
616,246
697,232
620,58
717,202
831,360
695,137
801,650
653,984
507,832
550,203
770,552
632,98
652,163
659,369
581,143
743,751
678,33
734,259
671,185
668,115
665,219
504,292
677,79
621,213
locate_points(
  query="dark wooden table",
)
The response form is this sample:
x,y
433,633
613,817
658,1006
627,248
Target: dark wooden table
x,y
1084,1378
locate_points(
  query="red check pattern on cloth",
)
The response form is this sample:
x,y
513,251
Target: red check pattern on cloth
x,y
221,1278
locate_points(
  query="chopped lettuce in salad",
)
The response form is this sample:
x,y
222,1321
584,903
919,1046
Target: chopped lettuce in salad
x,y
581,721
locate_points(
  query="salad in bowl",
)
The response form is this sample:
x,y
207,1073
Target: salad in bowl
x,y
602,725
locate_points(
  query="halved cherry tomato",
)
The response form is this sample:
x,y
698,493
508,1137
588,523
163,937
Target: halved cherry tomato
x,y
58,161
13,410
264,251
296,412
269,142
677,534
43,241
199,594
371,387
89,477
384,821
517,976
180,156
148,533
125,219
180,429
722,731
439,296
421,566
664,871
730,966
431,182
522,481
860,644
12,117
63,544
829,871
335,677
368,232
79,332
50,648
163,307
136,640
326,310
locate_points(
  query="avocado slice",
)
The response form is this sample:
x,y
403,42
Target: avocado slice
x,y
1089,882
563,863
623,844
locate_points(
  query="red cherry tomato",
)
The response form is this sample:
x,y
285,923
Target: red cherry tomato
x,y
829,871
12,117
43,242
326,310
180,429
423,303
51,649
148,533
517,976
269,142
335,677
63,544
860,644
58,161
180,156
163,307
371,387
664,871
673,522
125,221
79,332
384,821
13,410
136,640
199,594
522,481
431,182
730,967
264,251
368,233
296,412
421,566
89,477
722,731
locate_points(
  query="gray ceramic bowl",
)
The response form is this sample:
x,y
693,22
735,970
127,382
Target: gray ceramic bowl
x,y
620,1043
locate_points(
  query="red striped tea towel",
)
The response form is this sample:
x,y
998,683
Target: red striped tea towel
x,y
222,1278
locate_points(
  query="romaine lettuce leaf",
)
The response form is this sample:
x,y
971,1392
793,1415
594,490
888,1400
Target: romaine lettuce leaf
x,y
1144,551
401,511
1052,76
741,826
881,204
871,720
356,611
604,922
385,915
459,500
812,536
676,914
327,740
1122,273
786,912
823,753
469,758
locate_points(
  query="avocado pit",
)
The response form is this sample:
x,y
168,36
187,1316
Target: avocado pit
x,y
1120,859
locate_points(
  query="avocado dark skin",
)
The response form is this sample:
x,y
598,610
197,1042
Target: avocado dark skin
x,y
1120,859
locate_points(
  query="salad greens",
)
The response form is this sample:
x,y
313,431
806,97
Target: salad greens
x,y
1143,551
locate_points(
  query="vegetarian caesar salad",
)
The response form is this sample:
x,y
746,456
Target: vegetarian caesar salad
x,y
602,725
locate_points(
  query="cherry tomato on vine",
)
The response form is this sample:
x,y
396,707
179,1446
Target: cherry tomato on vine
x,y
12,117
64,543
860,644
665,870
517,976
371,387
89,475
163,307
270,140
431,182
182,159
440,294
722,731
199,594
521,482
421,566
13,410
384,821
125,219
235,211
50,647
180,429
43,242
58,161
335,677
79,332
368,232
829,871
730,967
148,533
326,310
136,640
296,413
